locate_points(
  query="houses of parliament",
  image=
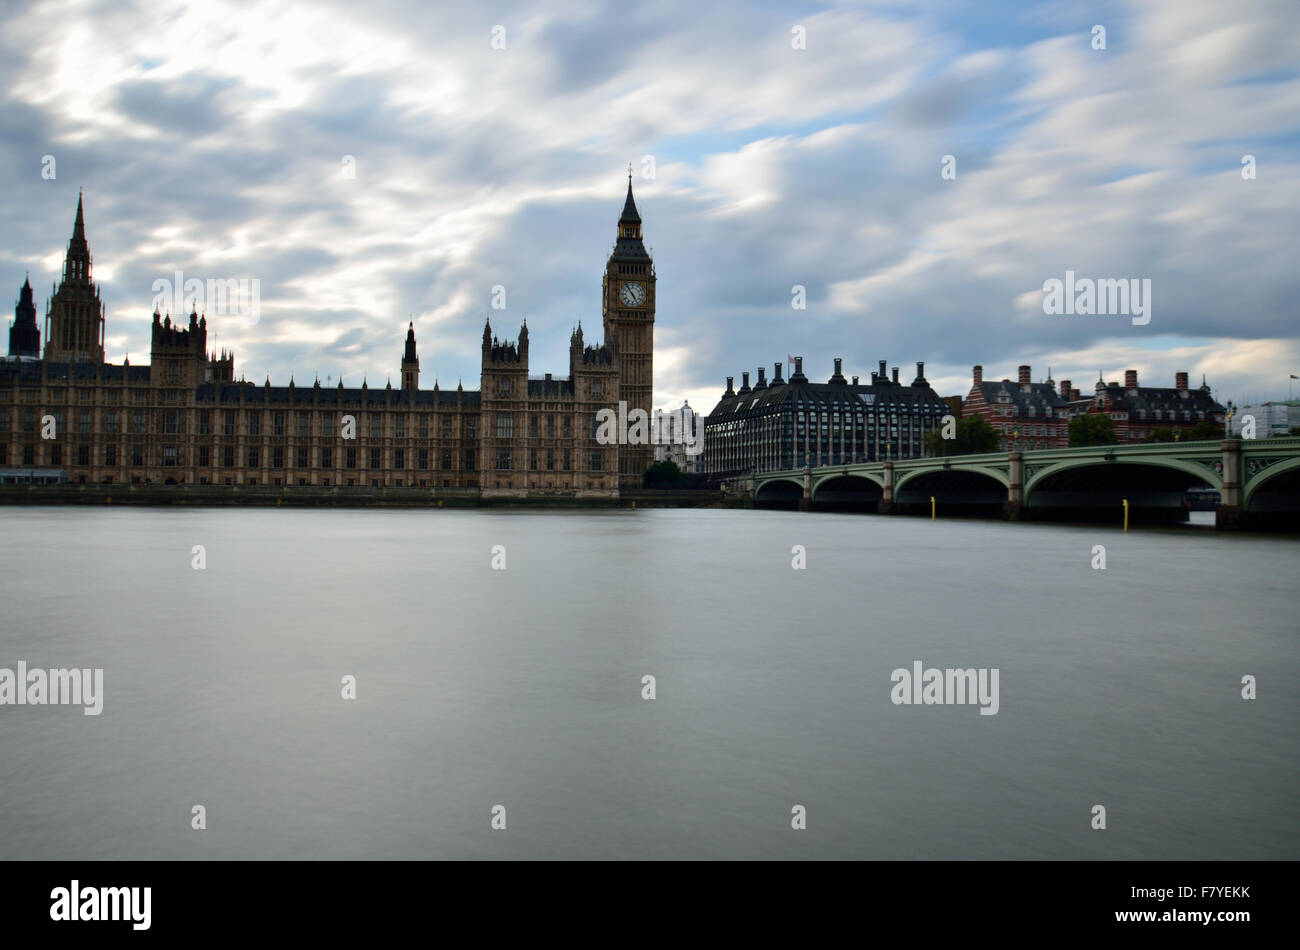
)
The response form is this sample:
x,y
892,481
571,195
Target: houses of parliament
x,y
183,419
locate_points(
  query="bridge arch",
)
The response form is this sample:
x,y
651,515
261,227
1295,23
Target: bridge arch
x,y
902,478
1102,487
822,479
1270,480
1204,473
847,491
778,493
956,490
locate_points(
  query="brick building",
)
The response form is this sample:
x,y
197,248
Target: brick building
x,y
184,419
1029,415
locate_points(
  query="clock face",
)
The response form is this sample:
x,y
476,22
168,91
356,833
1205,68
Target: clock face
x,y
632,294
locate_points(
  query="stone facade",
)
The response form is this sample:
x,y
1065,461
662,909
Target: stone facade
x,y
184,419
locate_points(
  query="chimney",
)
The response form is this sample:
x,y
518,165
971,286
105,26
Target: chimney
x,y
1074,395
1024,376
730,391
1065,389
884,373
776,374
1180,382
920,374
977,375
837,378
895,375
744,383
855,380
762,378
1130,379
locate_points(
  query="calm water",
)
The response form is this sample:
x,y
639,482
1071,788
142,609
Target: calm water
x,y
522,687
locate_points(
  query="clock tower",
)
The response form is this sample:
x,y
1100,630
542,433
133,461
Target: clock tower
x,y
628,305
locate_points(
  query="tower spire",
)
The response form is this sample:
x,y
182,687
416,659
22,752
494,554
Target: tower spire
x,y
79,226
630,214
75,319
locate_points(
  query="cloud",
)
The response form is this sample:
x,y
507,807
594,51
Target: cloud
x,y
214,139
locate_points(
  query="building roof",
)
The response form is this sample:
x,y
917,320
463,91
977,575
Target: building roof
x,y
221,393
1042,398
1115,398
780,394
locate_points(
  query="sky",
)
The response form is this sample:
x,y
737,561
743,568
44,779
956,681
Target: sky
x,y
370,165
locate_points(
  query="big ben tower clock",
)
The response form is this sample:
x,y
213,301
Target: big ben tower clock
x,y
628,303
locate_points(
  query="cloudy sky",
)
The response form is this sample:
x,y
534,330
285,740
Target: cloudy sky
x,y
216,139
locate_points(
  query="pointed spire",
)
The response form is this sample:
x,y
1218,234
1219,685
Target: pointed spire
x,y
409,356
630,213
79,226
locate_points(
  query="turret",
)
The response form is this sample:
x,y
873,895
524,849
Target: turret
x,y
410,362
24,335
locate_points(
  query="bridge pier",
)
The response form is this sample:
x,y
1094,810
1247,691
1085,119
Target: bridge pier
x,y
1229,516
886,503
1014,509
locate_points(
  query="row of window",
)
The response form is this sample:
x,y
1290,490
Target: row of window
x,y
173,423
538,460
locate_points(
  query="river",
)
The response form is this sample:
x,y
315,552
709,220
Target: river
x,y
522,687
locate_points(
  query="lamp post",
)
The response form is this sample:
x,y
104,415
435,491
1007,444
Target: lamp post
x,y
1227,419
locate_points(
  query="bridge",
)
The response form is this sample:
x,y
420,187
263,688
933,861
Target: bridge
x,y
1258,481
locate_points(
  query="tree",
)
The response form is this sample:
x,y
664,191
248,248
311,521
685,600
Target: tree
x,y
1092,428
1204,430
972,435
664,474
1163,434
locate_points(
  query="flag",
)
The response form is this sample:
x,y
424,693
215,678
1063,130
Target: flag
x,y
790,359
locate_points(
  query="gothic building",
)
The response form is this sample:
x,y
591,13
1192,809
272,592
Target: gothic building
x,y
184,419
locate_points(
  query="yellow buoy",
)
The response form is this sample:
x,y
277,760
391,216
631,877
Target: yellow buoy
x,y
1125,514
931,507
